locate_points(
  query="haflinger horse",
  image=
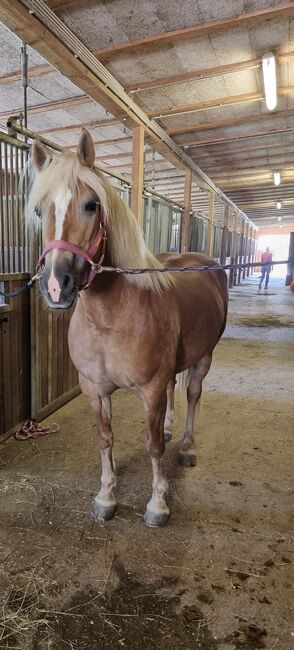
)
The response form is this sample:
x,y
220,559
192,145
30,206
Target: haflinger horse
x,y
127,331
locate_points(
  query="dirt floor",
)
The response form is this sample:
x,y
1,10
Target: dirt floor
x,y
218,577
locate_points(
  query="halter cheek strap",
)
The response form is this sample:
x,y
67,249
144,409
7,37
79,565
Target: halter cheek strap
x,y
62,244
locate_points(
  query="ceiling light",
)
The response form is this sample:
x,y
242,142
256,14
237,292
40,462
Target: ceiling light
x,y
279,205
269,80
277,178
279,218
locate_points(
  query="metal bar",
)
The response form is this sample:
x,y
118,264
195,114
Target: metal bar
x,y
17,211
11,222
6,213
2,257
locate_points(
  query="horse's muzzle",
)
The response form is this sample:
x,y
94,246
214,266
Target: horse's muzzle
x,y
59,288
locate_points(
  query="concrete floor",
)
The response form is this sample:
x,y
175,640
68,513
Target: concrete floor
x,y
218,577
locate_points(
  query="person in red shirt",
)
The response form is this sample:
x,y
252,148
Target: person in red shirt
x,y
266,269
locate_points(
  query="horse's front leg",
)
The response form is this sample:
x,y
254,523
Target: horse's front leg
x,y
157,511
105,503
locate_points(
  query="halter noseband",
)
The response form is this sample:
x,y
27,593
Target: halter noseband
x,y
65,245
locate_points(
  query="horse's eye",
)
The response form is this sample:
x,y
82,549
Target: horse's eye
x,y
38,212
90,206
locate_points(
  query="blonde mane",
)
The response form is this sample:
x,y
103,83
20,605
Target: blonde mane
x,y
125,241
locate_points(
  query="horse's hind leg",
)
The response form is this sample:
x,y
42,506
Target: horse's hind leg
x,y
105,504
169,416
197,373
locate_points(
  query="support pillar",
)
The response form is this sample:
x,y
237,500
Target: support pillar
x,y
246,249
208,244
137,172
185,224
233,274
224,246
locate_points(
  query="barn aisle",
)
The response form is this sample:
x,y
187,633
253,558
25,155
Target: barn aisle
x,y
219,575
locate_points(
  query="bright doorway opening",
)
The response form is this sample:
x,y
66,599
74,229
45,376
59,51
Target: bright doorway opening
x,y
279,247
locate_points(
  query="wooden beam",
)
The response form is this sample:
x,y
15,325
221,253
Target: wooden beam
x,y
216,103
137,172
49,106
77,127
234,138
183,109
233,274
249,64
193,76
34,71
224,243
252,163
231,152
216,124
208,243
282,10
205,73
185,225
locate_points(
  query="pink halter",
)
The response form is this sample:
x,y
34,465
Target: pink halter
x,y
76,250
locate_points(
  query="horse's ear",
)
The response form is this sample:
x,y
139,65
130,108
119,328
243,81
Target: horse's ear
x,y
39,155
86,149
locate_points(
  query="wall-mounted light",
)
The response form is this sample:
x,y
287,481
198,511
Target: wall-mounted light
x,y
279,205
277,178
269,80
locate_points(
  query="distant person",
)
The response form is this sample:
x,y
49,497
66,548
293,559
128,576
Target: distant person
x,y
266,269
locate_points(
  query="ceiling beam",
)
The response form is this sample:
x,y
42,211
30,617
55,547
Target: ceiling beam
x,y
215,71
216,103
232,152
234,138
280,11
34,71
216,124
248,163
140,86
77,127
49,106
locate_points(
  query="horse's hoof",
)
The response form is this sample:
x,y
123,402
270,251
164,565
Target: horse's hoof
x,y
155,519
186,459
103,513
167,436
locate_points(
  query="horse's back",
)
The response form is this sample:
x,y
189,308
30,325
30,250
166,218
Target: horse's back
x,y
201,298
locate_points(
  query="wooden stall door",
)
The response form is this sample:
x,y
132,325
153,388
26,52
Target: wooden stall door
x,y
54,377
15,390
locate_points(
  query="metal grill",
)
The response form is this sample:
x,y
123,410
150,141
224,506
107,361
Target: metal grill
x,y
14,238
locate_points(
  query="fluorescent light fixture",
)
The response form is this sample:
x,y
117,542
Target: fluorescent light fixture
x,y
279,218
277,178
279,205
269,80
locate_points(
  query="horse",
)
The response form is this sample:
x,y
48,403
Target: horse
x,y
135,331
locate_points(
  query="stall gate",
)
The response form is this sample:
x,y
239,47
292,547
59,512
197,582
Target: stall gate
x,y
36,373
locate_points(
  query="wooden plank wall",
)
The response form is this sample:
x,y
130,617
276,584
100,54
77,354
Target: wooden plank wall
x,y
15,394
56,379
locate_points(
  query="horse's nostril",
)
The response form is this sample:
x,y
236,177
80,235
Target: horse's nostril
x,y
66,281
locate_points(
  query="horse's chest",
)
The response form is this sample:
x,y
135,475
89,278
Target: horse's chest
x,y
100,356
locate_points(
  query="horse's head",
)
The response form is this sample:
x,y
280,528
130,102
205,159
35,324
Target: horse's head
x,y
69,197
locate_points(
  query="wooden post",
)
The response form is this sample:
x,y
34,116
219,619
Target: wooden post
x,y
241,251
137,172
224,246
249,270
185,224
233,274
246,249
208,244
